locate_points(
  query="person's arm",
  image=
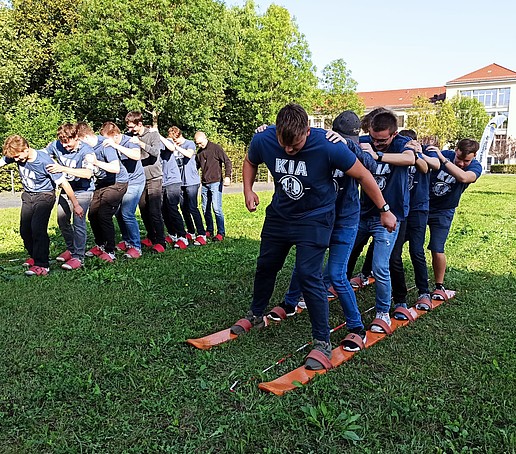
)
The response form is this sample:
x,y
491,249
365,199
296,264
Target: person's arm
x,y
76,172
187,152
420,164
404,159
131,153
432,161
369,186
460,175
154,145
110,167
77,209
249,171
228,167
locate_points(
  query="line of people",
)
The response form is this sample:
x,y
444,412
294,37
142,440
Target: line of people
x,y
109,175
316,205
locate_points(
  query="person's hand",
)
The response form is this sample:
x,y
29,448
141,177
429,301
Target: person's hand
x,y
135,139
227,181
77,209
251,200
369,149
153,129
109,143
388,220
334,137
432,148
260,128
90,158
414,145
55,168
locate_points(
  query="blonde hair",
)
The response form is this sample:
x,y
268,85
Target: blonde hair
x,y
14,145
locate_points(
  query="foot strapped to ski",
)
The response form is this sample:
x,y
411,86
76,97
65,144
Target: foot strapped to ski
x,y
279,311
321,358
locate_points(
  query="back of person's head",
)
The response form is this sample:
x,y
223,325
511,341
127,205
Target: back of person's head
x,y
66,132
466,147
410,133
84,129
384,121
134,117
174,132
291,123
347,124
365,121
109,129
14,145
431,141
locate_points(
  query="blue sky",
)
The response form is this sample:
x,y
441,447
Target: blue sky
x,y
405,44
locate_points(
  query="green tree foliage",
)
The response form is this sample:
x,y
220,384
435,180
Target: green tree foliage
x,y
338,91
472,117
164,57
272,67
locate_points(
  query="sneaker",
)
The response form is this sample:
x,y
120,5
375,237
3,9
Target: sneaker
x,y
107,257
171,239
359,281
256,321
301,303
37,271
122,246
190,236
133,253
181,243
218,237
399,316
147,243
436,295
423,302
208,234
331,294
200,240
64,257
96,251
349,345
28,263
158,249
288,308
72,264
325,349
382,316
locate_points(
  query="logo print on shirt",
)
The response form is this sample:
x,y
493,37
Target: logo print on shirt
x,y
382,170
411,174
443,186
292,187
28,177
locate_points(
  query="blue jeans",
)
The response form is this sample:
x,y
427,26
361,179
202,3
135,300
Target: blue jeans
x,y
211,196
74,234
383,244
173,220
126,215
190,209
415,235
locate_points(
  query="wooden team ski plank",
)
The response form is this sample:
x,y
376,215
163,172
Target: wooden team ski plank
x,y
302,376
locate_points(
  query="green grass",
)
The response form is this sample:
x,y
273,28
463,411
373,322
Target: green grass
x,y
95,360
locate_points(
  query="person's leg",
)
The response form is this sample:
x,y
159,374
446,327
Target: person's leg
x,y
93,217
145,212
80,233
383,245
361,240
110,202
398,283
367,266
341,244
439,223
294,290
43,205
154,190
415,234
27,209
185,209
126,215
175,219
64,215
206,201
192,193
217,207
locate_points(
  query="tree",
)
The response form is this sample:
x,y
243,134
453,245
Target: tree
x,y
472,118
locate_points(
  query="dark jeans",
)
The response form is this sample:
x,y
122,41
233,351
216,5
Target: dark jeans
x,y
35,214
150,210
311,238
190,209
104,205
415,235
171,215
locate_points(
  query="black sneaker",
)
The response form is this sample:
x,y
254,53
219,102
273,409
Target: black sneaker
x,y
324,348
351,346
245,324
288,308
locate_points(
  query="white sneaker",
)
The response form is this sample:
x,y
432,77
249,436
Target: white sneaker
x,y
384,316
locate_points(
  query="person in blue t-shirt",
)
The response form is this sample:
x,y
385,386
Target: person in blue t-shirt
x,y
458,170
301,213
393,157
129,154
38,199
69,153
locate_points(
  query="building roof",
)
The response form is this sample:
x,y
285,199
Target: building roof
x,y
397,99
488,73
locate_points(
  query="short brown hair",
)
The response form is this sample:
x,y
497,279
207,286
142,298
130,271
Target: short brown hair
x,y
135,116
14,145
467,146
174,132
291,123
67,131
365,121
84,129
109,129
384,121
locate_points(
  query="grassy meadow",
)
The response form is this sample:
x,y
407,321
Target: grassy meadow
x,y
95,360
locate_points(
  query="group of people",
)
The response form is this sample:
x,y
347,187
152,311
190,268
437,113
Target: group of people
x,y
109,175
405,186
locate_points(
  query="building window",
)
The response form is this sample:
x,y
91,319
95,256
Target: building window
x,y
401,121
318,123
504,96
490,98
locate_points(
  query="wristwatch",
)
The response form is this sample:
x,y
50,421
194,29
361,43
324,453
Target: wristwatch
x,y
446,161
385,208
380,156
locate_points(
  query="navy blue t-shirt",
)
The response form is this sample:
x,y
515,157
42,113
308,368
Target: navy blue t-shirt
x,y
419,185
73,159
303,183
134,167
392,181
445,190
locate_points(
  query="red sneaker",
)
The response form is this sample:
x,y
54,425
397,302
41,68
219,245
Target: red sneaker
x,y
37,271
94,252
107,257
169,239
147,243
218,237
208,234
122,246
64,257
133,253
190,236
28,263
200,241
158,248
181,243
72,264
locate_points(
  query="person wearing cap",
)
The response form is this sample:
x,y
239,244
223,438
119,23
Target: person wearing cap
x,y
302,212
347,217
